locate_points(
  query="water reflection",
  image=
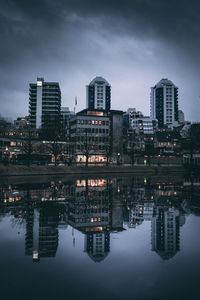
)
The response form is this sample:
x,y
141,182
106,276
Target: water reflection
x,y
99,208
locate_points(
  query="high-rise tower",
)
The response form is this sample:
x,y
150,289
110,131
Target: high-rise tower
x,y
44,103
164,103
98,94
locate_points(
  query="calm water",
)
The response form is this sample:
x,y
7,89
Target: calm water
x,y
100,238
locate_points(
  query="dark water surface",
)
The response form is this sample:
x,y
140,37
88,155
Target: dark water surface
x,y
100,238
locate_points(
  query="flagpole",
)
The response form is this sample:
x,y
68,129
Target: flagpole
x,y
75,104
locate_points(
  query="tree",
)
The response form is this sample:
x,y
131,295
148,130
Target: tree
x,y
27,144
4,124
53,134
108,153
191,139
129,144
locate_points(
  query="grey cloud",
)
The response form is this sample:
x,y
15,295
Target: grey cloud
x,y
72,40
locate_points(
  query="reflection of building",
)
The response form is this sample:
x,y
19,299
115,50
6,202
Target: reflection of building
x,y
165,232
98,94
90,210
97,208
140,212
97,245
90,213
42,230
116,206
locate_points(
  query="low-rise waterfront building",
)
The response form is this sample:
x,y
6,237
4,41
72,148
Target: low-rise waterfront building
x,y
97,135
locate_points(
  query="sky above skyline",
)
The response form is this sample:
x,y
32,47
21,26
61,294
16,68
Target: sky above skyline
x,y
131,43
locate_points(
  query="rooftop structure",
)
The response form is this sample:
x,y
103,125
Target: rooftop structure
x,y
98,94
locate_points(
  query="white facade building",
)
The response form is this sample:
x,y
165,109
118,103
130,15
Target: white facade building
x,y
98,94
164,103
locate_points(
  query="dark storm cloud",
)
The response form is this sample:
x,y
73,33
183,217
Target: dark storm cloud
x,y
60,38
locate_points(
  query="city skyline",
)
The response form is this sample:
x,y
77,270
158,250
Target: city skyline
x,y
132,44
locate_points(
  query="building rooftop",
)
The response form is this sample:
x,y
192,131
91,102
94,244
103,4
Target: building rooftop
x,y
99,112
99,79
163,82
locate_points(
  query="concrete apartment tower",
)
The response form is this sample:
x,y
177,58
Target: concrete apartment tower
x,y
98,94
164,103
44,103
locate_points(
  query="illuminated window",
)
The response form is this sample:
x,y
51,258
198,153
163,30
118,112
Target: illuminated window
x,y
39,83
96,113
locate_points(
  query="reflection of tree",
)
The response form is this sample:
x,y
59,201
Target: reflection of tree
x,y
18,223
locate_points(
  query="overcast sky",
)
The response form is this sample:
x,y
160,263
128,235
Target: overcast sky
x,y
131,43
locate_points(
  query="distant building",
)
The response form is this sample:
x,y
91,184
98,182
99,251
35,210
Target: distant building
x,y
181,117
140,124
130,115
98,94
66,115
164,103
21,123
44,103
116,134
145,125
167,141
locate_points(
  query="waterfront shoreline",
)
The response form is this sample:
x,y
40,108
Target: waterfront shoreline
x,y
34,170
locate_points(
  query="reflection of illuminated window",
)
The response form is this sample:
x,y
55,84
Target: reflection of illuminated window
x,y
97,182
35,254
81,182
